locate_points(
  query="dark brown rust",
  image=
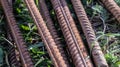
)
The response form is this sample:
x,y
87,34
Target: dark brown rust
x,y
46,16
20,44
70,33
113,8
76,33
13,55
66,32
97,54
51,46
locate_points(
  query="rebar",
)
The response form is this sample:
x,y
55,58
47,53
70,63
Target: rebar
x,y
76,33
97,54
70,33
18,39
46,16
53,50
113,8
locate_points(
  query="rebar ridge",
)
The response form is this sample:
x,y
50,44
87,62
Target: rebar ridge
x,y
18,54
76,33
46,16
113,8
13,55
18,39
53,50
70,32
97,54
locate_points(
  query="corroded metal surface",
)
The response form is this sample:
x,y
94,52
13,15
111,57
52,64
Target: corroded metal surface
x,y
49,35
13,54
18,39
76,33
70,33
97,54
46,16
51,46
113,8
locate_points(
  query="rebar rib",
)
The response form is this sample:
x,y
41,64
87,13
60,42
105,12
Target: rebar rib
x,y
113,8
18,39
97,54
46,16
53,50
70,33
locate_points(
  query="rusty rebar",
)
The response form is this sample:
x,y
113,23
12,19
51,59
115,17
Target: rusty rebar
x,y
18,39
53,50
13,54
113,8
46,16
70,33
97,54
76,33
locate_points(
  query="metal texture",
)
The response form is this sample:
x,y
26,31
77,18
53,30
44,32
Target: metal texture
x,y
70,33
113,8
76,33
18,39
13,55
97,54
46,16
50,37
51,46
